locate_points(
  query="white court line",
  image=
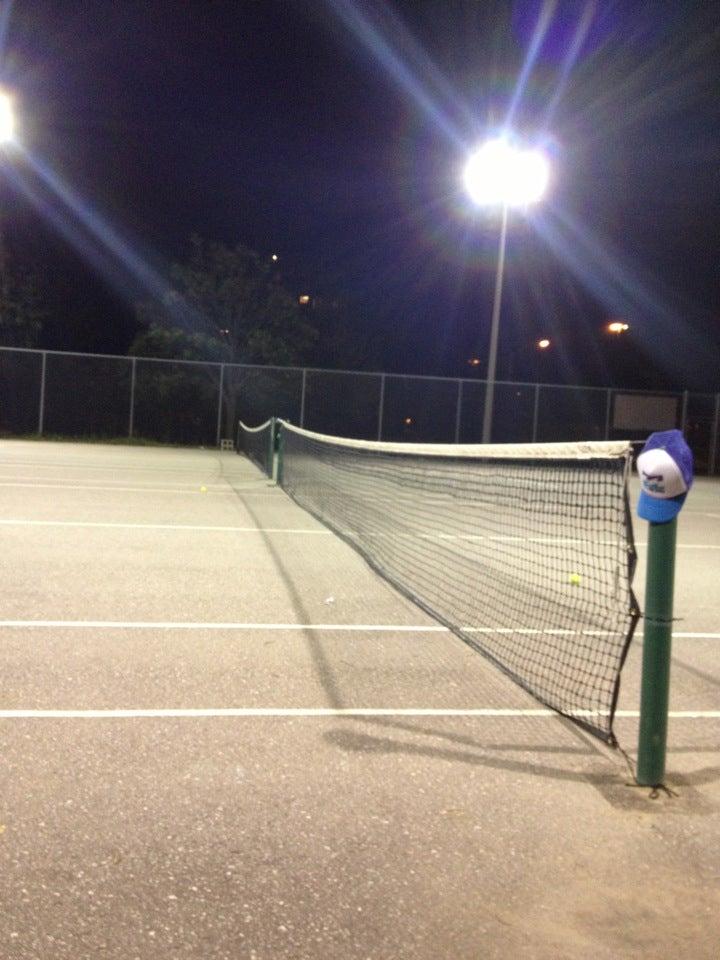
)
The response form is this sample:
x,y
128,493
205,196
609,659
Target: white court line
x,y
192,481
324,531
158,526
320,712
345,627
9,472
182,625
110,489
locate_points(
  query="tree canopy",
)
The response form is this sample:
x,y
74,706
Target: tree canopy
x,y
22,308
225,303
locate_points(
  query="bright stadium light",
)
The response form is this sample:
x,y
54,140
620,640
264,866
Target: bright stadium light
x,y
500,174
7,118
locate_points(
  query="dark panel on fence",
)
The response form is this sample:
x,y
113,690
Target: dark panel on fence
x,y
513,413
19,392
699,423
177,402
471,415
87,397
569,413
342,404
419,411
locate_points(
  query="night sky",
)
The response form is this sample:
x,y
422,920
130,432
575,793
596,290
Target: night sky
x,y
334,134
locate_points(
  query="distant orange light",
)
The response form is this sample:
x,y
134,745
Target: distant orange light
x,y
617,326
407,421
543,344
474,361
274,257
304,298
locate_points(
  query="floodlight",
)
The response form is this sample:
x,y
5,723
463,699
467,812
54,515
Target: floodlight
x,y
7,119
500,174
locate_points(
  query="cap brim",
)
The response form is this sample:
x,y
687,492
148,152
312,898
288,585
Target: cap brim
x,y
659,511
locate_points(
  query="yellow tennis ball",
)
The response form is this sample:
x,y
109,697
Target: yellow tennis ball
x,y
575,579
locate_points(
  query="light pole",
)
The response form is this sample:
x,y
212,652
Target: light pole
x,y
500,174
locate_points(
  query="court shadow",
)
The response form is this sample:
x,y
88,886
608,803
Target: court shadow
x,y
614,783
320,661
479,753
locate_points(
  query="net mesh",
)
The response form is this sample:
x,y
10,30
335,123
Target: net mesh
x,y
256,444
526,552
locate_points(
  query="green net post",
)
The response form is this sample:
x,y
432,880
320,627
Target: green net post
x,y
657,639
279,444
270,467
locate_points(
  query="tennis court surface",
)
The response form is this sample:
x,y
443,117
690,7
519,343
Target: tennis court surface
x,y
225,736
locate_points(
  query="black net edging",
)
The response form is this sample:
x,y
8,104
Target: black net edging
x,y
255,443
524,551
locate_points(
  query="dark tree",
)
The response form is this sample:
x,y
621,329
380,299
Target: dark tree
x,y
23,311
230,298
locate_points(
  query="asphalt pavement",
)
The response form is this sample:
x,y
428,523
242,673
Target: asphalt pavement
x,y
224,736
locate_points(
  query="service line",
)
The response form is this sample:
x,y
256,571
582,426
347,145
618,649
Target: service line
x,y
330,627
309,712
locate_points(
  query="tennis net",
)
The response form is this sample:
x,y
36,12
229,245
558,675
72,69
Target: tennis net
x,y
525,551
257,444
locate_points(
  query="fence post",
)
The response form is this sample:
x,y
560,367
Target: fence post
x,y
381,406
220,403
131,423
608,411
458,412
302,397
41,414
712,453
536,412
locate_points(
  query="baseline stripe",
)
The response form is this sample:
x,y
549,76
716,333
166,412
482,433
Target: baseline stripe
x,y
280,712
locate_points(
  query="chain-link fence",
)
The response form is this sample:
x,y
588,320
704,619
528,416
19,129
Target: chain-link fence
x,y
48,393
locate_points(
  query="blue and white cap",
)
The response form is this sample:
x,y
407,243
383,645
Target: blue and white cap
x,y
665,468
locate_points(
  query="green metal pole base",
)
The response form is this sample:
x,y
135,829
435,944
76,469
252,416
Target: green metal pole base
x,y
657,640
